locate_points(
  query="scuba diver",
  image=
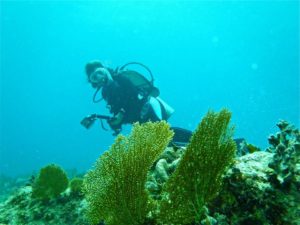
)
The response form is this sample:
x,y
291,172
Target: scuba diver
x,y
129,96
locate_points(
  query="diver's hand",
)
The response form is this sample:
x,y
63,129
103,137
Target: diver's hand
x,y
115,122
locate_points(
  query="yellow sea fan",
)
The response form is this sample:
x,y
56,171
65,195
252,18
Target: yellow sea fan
x,y
115,187
198,177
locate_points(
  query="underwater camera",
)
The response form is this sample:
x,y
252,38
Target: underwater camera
x,y
88,121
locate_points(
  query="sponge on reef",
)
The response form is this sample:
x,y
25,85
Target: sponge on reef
x,y
51,181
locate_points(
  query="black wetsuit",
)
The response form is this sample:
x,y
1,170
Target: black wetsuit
x,y
122,94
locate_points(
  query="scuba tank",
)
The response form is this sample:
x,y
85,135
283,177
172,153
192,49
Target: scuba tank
x,y
145,87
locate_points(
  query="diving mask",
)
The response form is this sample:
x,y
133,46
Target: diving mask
x,y
99,77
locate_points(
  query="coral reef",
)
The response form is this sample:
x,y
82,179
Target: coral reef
x,y
244,148
136,183
76,185
197,179
21,209
162,169
50,182
286,169
263,187
115,188
245,186
9,185
286,160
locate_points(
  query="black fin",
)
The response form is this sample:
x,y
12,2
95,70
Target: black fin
x,y
181,136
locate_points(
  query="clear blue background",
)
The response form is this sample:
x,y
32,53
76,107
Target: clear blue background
x,y
204,55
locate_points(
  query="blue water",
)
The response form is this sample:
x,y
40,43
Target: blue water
x,y
204,55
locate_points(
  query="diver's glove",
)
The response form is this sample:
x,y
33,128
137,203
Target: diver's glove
x,y
88,121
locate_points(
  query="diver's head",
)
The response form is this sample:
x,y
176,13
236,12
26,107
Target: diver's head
x,y
97,74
